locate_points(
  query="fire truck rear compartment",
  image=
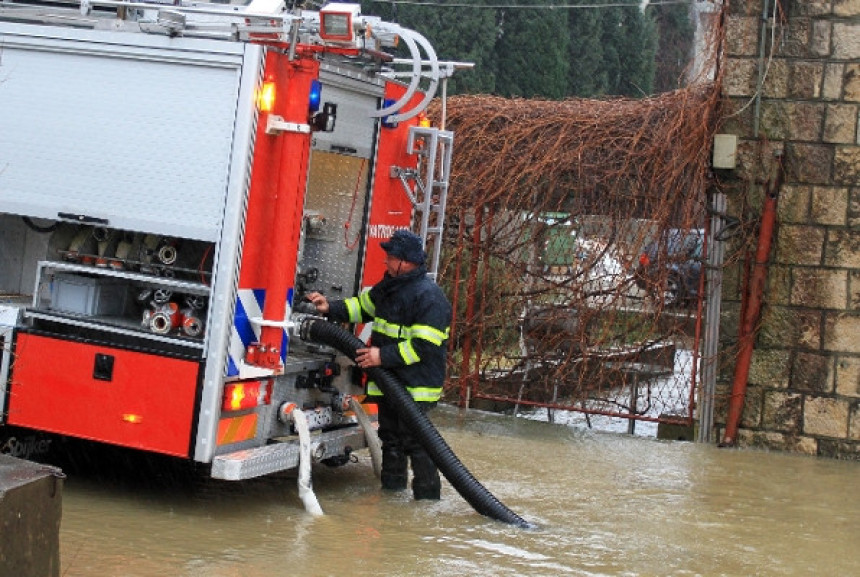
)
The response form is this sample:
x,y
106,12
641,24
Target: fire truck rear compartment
x,y
128,251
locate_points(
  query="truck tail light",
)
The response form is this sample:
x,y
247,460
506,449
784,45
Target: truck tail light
x,y
246,395
266,96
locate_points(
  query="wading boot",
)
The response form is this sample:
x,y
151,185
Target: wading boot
x,y
425,481
394,470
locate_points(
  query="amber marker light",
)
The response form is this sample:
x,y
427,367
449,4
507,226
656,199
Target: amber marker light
x,y
266,96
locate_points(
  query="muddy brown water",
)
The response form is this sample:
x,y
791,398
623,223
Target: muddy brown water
x,y
604,504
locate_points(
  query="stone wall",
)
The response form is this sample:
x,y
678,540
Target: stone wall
x,y
804,382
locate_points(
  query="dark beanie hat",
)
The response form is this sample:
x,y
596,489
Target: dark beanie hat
x,y
405,245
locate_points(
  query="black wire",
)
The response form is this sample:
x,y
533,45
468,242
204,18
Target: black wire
x,y
515,6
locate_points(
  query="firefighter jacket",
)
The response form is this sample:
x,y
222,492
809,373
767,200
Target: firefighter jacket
x,y
411,323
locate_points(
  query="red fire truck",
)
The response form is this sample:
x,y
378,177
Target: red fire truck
x,y
174,176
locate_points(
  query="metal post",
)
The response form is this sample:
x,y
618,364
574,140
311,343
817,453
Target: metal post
x,y
713,302
634,394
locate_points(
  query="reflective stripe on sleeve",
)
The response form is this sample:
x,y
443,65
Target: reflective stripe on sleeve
x,y
353,309
407,353
366,303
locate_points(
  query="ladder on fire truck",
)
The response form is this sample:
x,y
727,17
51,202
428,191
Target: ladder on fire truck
x,y
426,185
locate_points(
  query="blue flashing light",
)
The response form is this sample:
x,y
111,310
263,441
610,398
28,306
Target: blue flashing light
x,y
315,96
386,122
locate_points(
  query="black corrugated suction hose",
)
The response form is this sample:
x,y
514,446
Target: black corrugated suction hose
x,y
484,502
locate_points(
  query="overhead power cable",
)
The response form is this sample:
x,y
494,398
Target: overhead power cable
x,y
444,4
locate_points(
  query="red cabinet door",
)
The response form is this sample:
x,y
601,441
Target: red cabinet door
x,y
129,398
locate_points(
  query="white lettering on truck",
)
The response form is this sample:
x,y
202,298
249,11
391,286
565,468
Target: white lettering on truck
x,y
25,448
382,230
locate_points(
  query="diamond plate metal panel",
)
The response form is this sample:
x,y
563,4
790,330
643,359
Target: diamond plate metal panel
x,y
252,463
337,191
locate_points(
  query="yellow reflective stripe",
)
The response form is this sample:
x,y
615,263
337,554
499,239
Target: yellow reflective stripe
x,y
384,327
366,303
418,393
407,353
428,333
425,393
395,331
353,310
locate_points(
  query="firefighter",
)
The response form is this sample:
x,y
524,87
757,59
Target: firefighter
x,y
411,319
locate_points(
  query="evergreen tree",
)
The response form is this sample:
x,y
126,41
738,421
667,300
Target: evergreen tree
x,y
469,35
588,75
539,52
611,38
532,52
637,53
676,33
459,34
629,47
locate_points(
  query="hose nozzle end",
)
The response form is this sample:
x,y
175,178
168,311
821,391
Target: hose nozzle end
x,y
305,328
305,324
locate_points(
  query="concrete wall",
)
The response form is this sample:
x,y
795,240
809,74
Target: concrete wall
x,y
31,505
804,382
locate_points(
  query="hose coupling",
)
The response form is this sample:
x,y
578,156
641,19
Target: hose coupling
x,y
285,412
305,323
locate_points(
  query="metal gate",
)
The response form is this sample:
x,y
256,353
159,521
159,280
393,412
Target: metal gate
x,y
576,262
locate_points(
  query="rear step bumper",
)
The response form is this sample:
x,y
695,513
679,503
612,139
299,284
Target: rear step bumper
x,y
284,455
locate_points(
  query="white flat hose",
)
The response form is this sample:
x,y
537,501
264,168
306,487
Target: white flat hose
x,y
373,442
306,492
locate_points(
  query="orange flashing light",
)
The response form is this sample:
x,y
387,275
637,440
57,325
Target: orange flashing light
x,y
266,96
423,121
132,418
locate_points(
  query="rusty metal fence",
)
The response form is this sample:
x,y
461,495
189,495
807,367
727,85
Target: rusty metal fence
x,y
575,255
567,322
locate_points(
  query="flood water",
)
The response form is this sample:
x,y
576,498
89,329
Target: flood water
x,y
603,503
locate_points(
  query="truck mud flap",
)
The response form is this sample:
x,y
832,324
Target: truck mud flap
x,y
284,455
